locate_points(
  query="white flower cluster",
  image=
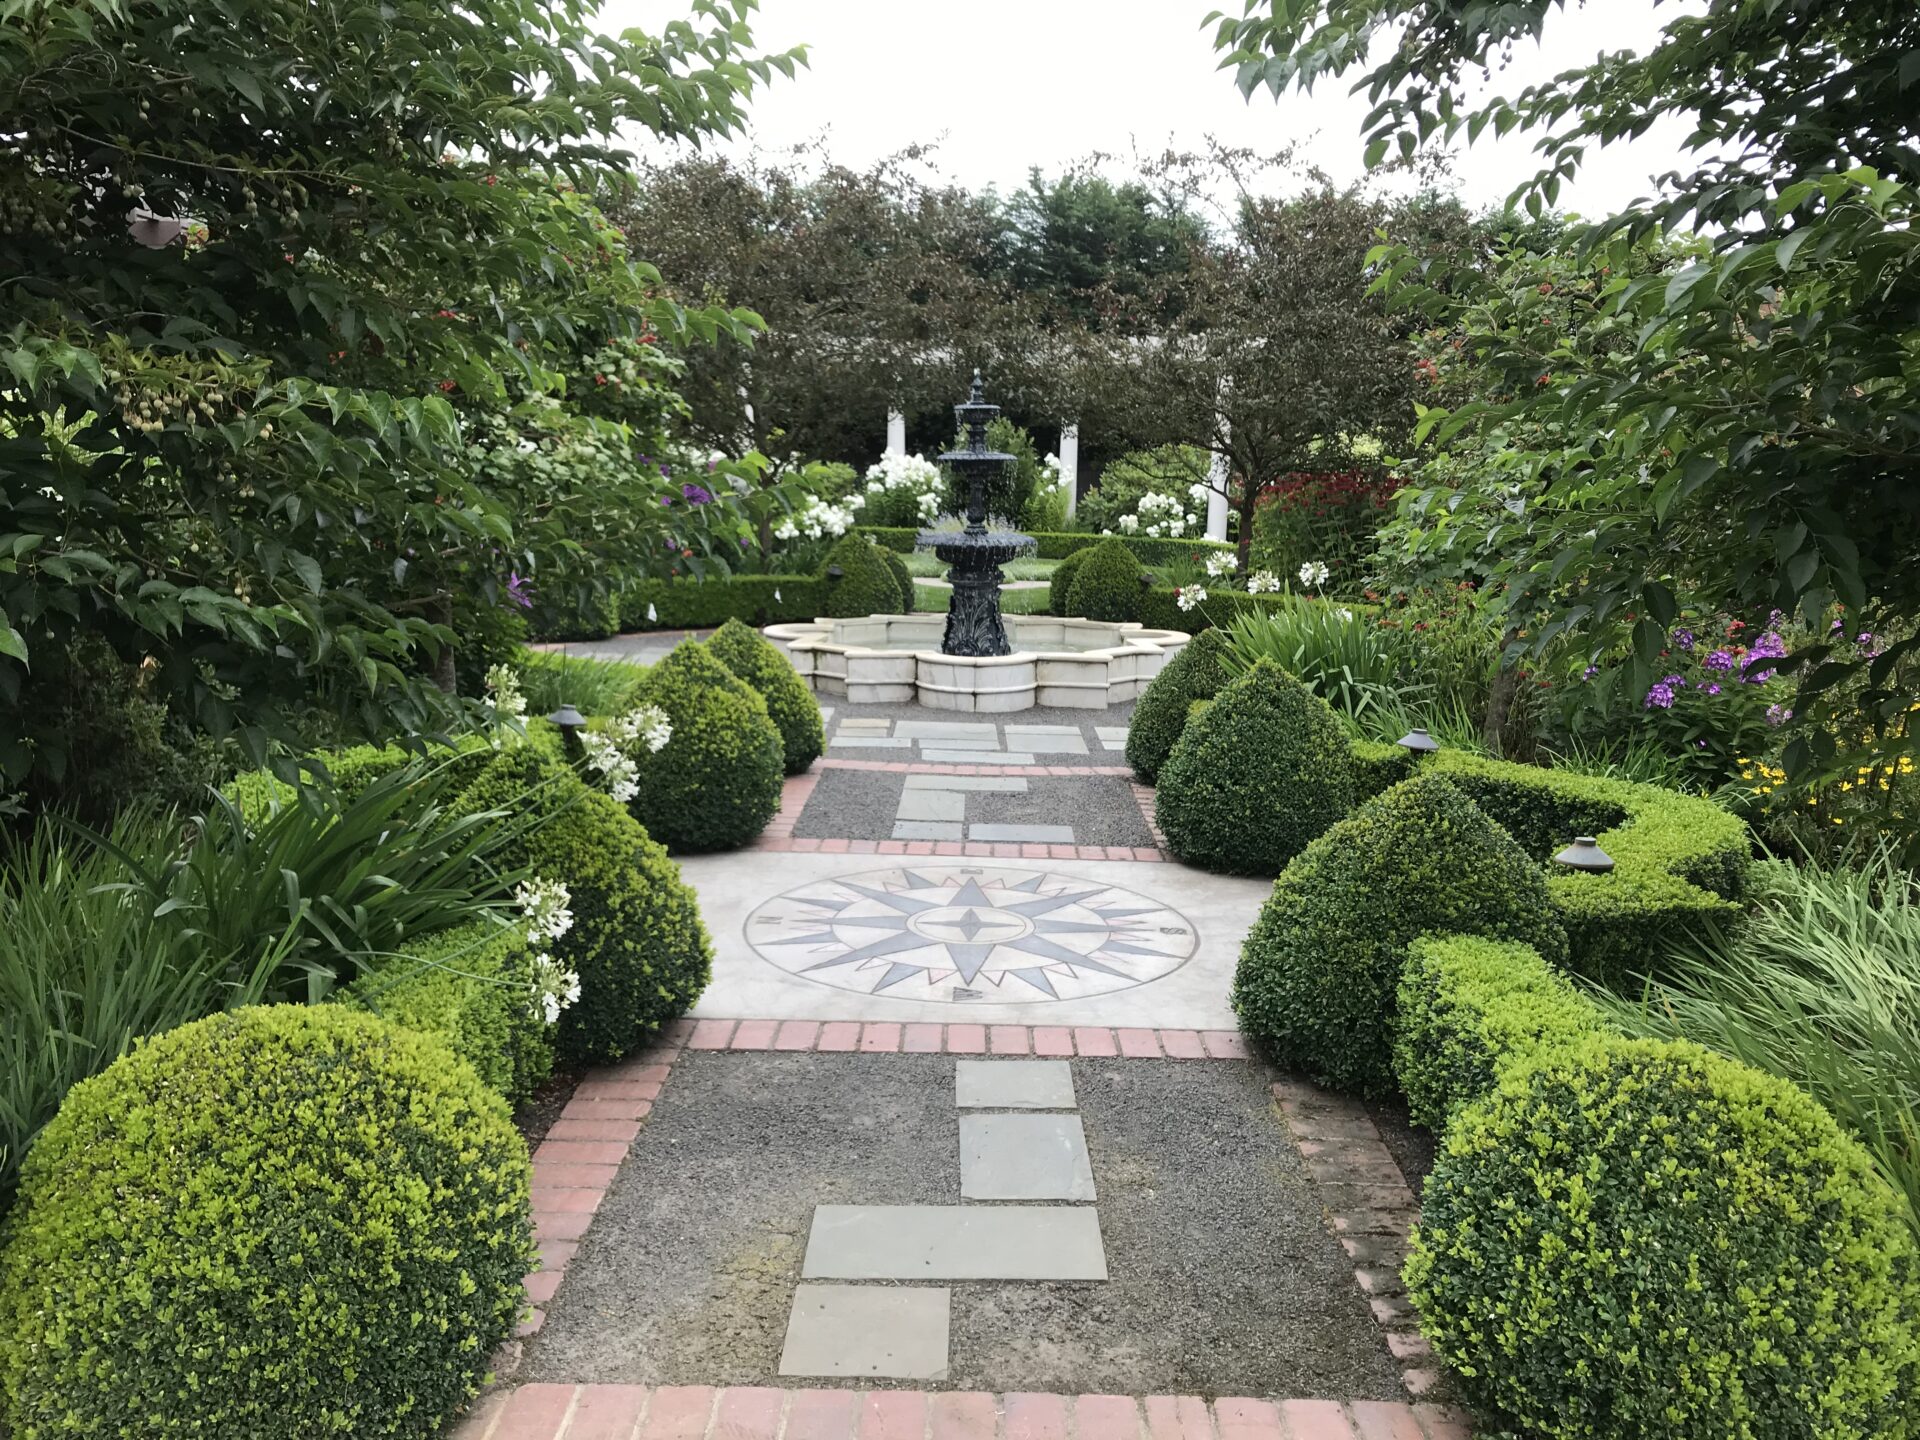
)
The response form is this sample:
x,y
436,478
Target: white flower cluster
x,y
1263,582
1222,562
544,904
615,751
554,986
1162,516
503,694
819,519
1189,597
918,476
1314,574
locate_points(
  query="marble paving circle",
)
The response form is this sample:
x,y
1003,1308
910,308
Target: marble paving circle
x,y
946,931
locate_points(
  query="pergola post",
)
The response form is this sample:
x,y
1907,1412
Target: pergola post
x,y
896,433
1070,466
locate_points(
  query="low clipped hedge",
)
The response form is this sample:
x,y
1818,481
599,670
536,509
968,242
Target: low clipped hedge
x,y
1632,1238
866,586
591,616
637,943
1319,972
296,1220
1160,715
472,987
1160,608
1678,859
1252,780
790,705
718,781
351,771
1107,585
1060,544
685,604
1470,1007
1060,583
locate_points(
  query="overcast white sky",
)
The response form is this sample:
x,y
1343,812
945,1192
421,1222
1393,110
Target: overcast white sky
x,y
1003,85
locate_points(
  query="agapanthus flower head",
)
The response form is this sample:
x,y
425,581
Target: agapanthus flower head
x,y
1314,573
1189,597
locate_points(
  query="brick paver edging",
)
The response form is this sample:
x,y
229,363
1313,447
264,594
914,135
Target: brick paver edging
x,y
929,767
778,837
894,1037
699,1412
1370,1210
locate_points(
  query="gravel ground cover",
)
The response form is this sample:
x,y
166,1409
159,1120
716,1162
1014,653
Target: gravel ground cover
x,y
862,805
854,804
1411,1147
1224,1278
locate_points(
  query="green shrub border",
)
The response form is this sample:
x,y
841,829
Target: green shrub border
x,y
708,604
1059,544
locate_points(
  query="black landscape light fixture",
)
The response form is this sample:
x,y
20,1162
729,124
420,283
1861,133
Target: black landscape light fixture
x,y
570,721
834,572
1586,855
1418,741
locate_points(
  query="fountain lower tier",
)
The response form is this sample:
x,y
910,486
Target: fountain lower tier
x,y
897,659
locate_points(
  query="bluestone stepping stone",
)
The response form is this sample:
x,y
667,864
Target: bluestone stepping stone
x,y
887,1331
960,742
842,740
928,830
978,757
1013,1085
1046,742
1029,834
1024,1157
955,1242
947,730
1000,784
932,805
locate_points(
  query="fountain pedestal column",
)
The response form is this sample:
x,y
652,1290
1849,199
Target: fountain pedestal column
x,y
975,555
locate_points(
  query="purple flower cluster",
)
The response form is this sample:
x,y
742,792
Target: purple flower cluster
x,y
520,590
1660,697
696,494
1778,714
1683,638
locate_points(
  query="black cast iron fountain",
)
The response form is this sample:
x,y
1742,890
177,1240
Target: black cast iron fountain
x,y
975,554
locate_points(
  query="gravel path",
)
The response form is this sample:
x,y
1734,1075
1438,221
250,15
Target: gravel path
x,y
863,804
1224,1278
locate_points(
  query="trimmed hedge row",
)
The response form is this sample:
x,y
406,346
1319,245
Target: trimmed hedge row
x,y
704,604
287,1220
1160,610
719,779
1634,1238
1059,544
1106,584
470,987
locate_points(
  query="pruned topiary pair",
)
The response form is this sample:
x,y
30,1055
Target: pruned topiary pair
x,y
790,705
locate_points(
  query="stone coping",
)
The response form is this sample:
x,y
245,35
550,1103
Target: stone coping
x,y
824,633
702,1412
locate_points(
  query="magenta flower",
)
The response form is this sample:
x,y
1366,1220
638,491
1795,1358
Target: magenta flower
x,y
520,590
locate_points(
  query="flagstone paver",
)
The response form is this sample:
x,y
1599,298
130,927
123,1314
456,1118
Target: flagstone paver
x,y
895,1331
954,1242
1013,1085
1024,1157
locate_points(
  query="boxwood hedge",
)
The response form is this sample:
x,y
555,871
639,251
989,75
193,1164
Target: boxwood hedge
x,y
718,781
1107,584
866,584
686,604
1256,777
790,705
296,1220
1060,583
1160,715
1059,544
902,579
1320,970
1636,1238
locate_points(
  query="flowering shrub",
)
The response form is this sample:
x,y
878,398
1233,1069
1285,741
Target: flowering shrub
x,y
820,519
903,490
1164,516
1330,517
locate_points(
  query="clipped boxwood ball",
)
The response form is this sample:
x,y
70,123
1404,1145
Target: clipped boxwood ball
x,y
1107,586
1255,776
1639,1239
867,585
790,705
637,943
282,1221
902,579
1060,583
717,783
1320,970
1194,673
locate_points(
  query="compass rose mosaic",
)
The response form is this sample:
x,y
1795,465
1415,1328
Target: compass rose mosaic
x,y
935,932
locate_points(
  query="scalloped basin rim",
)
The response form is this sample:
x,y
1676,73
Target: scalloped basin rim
x,y
896,659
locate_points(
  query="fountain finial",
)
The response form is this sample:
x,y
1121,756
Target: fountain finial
x,y
978,395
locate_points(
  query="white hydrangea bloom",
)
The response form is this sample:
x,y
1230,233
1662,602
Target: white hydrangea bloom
x,y
1128,524
819,520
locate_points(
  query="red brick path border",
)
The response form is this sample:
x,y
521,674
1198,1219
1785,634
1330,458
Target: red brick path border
x,y
892,1037
1370,1210
700,1412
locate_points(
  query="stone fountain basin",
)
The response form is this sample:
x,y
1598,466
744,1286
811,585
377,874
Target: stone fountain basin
x,y
896,660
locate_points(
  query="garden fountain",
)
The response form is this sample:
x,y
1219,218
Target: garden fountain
x,y
979,660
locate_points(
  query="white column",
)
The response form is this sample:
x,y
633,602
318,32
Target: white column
x,y
1217,476
1070,466
896,433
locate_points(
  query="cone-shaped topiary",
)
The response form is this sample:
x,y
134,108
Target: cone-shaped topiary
x,y
636,942
1320,970
1107,586
717,783
1254,776
1631,1238
902,577
1060,583
866,585
790,705
1194,673
287,1220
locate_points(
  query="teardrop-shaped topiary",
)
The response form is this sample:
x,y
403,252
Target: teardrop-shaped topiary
x,y
1107,586
1060,583
1193,673
866,584
717,782
286,1220
1320,970
790,705
902,577
1255,776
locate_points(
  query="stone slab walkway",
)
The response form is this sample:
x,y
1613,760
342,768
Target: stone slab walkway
x,y
698,1412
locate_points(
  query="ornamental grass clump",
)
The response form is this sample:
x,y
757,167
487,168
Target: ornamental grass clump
x,y
790,705
1634,1238
717,782
1107,585
1255,776
1194,673
1320,969
280,1221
